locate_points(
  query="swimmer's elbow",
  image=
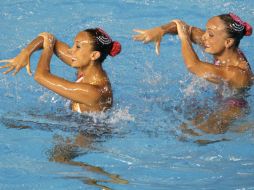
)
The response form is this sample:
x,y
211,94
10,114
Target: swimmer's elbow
x,y
193,67
39,77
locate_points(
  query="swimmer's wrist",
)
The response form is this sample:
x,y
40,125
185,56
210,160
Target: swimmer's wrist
x,y
169,28
25,51
163,30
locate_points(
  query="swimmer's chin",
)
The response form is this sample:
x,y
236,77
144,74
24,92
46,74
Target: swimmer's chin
x,y
74,62
207,50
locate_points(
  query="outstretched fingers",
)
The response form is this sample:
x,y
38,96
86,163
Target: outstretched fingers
x,y
9,70
6,60
139,37
5,66
157,47
139,31
17,69
28,69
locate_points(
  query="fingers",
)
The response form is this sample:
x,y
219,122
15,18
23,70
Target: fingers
x,y
16,71
178,22
44,34
139,31
9,70
139,37
5,66
5,60
146,39
28,69
157,47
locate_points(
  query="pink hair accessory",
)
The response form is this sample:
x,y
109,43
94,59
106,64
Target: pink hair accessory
x,y
248,28
116,49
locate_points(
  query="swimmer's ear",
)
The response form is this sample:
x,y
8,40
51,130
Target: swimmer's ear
x,y
229,42
95,55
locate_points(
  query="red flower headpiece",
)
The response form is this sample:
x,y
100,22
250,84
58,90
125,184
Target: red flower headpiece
x,y
238,20
106,39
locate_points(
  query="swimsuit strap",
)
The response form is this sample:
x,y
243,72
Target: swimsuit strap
x,y
216,62
80,79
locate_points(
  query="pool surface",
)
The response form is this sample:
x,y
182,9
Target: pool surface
x,y
139,143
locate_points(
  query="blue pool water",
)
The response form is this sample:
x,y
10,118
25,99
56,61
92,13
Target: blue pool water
x,y
139,139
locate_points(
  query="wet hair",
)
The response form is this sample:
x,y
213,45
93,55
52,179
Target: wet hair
x,y
103,43
235,27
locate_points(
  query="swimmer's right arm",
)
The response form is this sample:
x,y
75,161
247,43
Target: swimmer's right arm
x,y
156,34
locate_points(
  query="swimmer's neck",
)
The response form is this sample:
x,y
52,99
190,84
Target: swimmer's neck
x,y
228,56
91,70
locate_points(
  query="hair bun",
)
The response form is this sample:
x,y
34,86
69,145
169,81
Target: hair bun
x,y
248,29
116,49
247,26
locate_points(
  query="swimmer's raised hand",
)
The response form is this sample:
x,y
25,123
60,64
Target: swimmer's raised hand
x,y
152,35
49,40
183,29
17,63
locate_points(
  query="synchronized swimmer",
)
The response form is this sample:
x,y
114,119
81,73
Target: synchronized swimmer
x,y
92,91
221,39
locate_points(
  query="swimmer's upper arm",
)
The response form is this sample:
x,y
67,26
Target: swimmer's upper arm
x,y
235,76
196,35
61,50
206,70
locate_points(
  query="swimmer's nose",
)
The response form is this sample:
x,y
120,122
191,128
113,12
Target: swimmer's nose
x,y
70,51
203,37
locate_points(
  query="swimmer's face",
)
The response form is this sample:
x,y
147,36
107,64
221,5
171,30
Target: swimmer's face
x,y
82,51
215,37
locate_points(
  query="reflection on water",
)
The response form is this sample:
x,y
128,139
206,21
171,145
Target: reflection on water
x,y
210,109
65,149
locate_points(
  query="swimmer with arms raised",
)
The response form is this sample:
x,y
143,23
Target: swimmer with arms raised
x,y
221,39
92,91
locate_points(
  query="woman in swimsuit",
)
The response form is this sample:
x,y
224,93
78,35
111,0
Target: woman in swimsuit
x,y
221,39
92,91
